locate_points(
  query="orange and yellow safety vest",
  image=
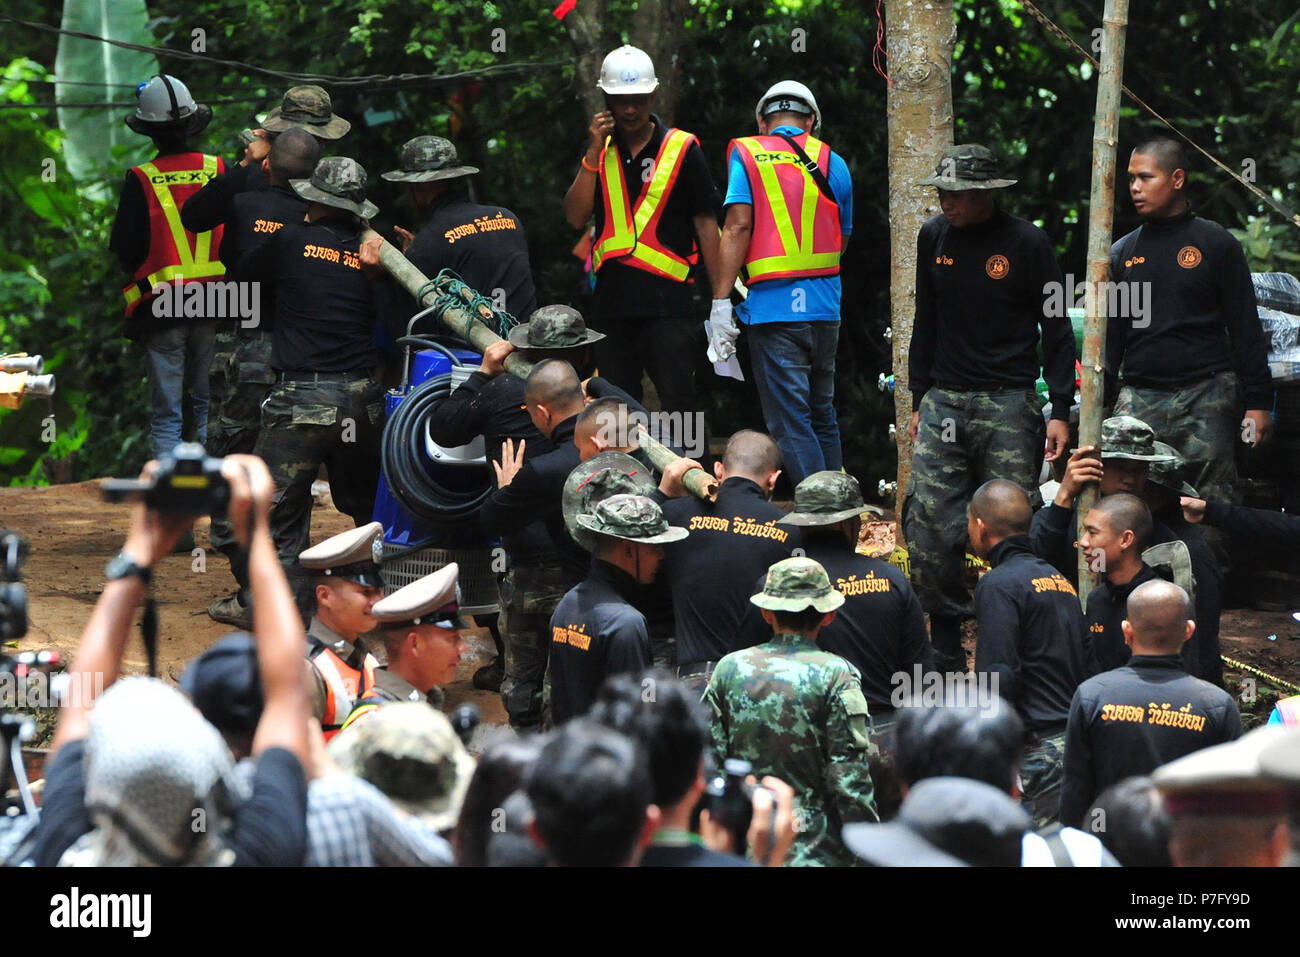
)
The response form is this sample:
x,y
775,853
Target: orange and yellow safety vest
x,y
796,227
630,234
175,252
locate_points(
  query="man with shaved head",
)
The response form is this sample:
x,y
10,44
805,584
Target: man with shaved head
x,y
1115,532
1196,357
732,543
1030,637
1129,721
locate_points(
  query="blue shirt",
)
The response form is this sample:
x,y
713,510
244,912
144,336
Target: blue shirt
x,y
776,300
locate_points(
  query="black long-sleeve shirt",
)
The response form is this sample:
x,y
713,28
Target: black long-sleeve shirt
x,y
1104,638
250,216
595,633
1259,525
493,407
1201,317
1030,634
484,245
325,307
880,627
982,294
1129,721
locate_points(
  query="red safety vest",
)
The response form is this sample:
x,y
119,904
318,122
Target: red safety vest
x,y
781,247
174,251
630,235
344,685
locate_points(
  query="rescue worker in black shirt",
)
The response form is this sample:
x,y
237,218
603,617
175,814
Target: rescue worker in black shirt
x,y
1196,356
491,404
731,544
984,282
1117,730
1030,641
655,209
595,631
241,376
326,407
1115,532
1130,457
484,245
880,628
420,626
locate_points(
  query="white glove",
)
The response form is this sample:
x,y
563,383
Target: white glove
x,y
722,331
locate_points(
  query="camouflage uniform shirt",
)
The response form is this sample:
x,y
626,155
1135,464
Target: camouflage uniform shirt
x,y
797,712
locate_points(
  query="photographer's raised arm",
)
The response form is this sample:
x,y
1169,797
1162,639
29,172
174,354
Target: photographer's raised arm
x,y
276,624
98,660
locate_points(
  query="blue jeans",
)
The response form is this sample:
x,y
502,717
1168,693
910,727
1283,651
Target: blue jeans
x,y
172,355
794,370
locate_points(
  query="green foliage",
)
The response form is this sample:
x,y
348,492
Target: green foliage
x,y
1228,73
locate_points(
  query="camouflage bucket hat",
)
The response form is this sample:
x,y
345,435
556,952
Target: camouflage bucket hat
x,y
428,158
554,327
1169,474
338,182
411,753
1124,437
825,498
967,166
796,584
1172,561
633,518
307,108
593,481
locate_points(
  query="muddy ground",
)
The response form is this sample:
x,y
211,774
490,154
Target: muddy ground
x,y
72,534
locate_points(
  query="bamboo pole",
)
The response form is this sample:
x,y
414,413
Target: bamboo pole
x,y
469,324
1101,216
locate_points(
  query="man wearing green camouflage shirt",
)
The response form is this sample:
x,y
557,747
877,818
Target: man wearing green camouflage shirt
x,y
797,712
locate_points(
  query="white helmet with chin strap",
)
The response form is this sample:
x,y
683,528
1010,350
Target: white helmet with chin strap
x,y
789,96
164,99
627,71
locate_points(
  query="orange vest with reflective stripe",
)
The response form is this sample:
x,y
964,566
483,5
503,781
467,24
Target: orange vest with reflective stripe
x,y
174,251
796,228
344,685
630,234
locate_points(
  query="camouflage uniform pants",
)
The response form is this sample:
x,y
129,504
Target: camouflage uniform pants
x,y
1203,422
334,422
963,440
529,594
1041,770
242,371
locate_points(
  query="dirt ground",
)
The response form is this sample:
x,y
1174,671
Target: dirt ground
x,y
72,534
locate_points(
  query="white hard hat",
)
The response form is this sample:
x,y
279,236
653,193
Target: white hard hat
x,y
627,71
165,101
785,95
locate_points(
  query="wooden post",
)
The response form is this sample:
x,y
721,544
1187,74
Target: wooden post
x,y
1101,216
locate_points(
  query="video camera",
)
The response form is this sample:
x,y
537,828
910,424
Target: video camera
x,y
13,594
187,482
730,800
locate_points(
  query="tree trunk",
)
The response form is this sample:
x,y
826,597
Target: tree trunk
x,y
918,41
1101,217
585,24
